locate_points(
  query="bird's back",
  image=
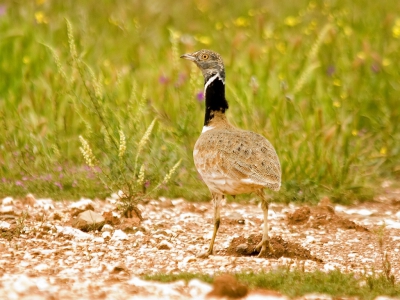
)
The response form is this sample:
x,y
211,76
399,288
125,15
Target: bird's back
x,y
234,161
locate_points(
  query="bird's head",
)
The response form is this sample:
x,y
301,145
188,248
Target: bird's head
x,y
209,62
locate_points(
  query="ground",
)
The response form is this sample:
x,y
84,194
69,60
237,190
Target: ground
x,y
44,257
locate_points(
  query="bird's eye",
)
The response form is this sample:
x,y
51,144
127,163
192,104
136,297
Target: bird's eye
x,y
204,56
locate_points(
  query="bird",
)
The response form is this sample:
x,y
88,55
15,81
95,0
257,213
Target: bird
x,y
231,160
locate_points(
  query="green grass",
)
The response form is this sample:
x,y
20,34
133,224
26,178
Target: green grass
x,y
297,283
319,79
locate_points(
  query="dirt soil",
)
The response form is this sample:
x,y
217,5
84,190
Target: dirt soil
x,y
43,257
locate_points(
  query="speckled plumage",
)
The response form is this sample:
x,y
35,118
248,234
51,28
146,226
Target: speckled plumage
x,y
233,161
230,160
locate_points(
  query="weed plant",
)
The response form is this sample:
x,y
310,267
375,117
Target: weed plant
x,y
318,78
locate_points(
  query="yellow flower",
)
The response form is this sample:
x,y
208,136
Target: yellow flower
x,y
354,132
396,28
281,47
386,62
218,26
337,104
337,82
26,60
251,12
291,21
40,17
396,32
383,151
241,22
204,39
348,31
362,55
40,2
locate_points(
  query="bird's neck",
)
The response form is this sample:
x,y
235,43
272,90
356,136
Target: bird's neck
x,y
214,90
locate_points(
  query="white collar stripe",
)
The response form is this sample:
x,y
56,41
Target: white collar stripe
x,y
212,79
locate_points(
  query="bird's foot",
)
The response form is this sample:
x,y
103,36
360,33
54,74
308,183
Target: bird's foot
x,y
262,248
204,254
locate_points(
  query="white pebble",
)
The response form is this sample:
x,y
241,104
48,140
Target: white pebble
x,y
119,235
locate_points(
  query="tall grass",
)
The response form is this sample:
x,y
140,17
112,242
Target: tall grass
x,y
318,78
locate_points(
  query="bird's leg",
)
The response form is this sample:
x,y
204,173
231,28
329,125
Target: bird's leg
x,y
216,203
262,246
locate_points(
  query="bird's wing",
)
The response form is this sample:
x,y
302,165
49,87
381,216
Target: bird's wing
x,y
238,155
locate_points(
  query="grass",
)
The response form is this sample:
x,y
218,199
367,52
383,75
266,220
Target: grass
x,y
298,283
319,79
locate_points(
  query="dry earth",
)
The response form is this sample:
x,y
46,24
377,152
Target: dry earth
x,y
43,257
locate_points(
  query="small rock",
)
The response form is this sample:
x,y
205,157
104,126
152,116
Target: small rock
x,y
166,203
83,203
107,227
227,286
128,224
29,200
165,245
111,218
76,233
23,284
7,210
242,248
106,235
315,297
325,240
41,267
189,259
119,235
4,225
45,204
118,268
385,298
198,288
7,201
88,220
98,239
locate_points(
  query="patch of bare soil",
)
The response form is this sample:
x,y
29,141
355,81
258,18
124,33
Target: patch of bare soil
x,y
88,250
322,216
241,246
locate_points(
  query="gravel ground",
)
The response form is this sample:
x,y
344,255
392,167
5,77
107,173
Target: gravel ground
x,y
42,256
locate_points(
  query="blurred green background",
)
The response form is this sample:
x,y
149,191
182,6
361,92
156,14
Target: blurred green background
x,y
319,79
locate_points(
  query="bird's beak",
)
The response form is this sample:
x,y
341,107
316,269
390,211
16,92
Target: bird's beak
x,y
188,56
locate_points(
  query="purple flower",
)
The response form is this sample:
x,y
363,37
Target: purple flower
x,y
3,10
200,96
147,184
375,68
59,185
181,79
19,183
330,71
163,79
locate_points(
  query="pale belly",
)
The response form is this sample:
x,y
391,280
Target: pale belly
x,y
230,186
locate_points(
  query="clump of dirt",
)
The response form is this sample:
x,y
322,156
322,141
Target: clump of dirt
x,y
242,246
226,285
321,216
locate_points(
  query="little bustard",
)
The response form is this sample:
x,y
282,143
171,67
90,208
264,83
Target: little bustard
x,y
230,160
